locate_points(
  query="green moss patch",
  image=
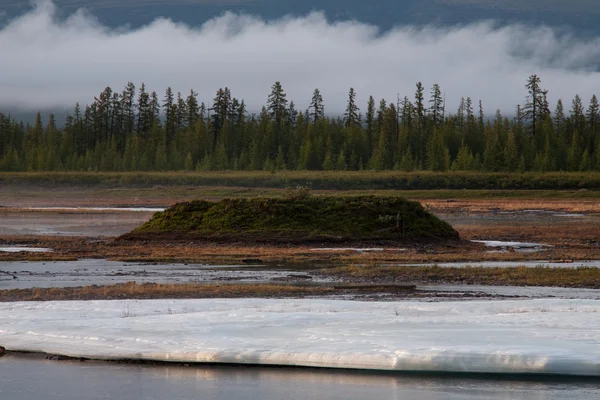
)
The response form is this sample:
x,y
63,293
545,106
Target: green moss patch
x,y
298,219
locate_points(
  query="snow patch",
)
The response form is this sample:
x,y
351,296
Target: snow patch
x,y
518,246
525,336
18,249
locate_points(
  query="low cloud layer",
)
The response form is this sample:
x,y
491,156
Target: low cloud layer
x,y
46,62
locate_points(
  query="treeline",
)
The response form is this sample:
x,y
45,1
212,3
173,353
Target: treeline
x,y
575,184
136,131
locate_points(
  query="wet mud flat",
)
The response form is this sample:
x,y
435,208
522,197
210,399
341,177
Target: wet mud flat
x,y
71,221
559,228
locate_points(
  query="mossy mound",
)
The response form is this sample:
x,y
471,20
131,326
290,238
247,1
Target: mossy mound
x,y
293,220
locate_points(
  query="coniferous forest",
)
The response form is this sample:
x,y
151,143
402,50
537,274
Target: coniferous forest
x,y
136,130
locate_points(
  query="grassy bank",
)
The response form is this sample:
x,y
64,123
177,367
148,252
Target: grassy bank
x,y
318,180
132,290
520,276
298,217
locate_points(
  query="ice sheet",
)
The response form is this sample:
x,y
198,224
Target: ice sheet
x,y
525,336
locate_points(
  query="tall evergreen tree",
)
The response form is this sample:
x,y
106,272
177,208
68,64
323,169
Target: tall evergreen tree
x,y
460,114
593,114
535,108
577,114
154,112
128,106
182,113
436,107
317,108
144,113
351,117
170,114
370,121
420,106
192,108
277,104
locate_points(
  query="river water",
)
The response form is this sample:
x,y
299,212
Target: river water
x,y
25,378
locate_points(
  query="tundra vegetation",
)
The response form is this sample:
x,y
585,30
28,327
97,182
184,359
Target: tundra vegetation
x,y
298,217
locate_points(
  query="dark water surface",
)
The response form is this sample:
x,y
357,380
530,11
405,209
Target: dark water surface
x,y
31,377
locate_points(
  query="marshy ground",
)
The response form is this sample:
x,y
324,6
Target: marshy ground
x,y
567,223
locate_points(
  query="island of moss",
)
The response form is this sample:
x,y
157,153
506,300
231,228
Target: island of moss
x,y
298,219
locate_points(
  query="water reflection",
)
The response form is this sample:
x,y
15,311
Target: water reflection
x,y
31,377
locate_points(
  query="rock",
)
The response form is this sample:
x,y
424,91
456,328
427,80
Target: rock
x,y
2,351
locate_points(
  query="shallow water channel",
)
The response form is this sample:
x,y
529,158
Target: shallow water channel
x,y
47,274
30,377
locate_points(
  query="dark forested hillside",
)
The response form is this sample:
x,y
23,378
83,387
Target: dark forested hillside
x,y
135,130
581,15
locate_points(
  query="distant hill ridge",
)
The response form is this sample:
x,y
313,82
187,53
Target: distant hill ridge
x,y
583,16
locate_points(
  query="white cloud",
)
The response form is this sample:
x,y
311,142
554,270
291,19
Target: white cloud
x,y
48,62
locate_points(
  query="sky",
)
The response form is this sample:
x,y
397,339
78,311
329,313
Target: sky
x,y
48,62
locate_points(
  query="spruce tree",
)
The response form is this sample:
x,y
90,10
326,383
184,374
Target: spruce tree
x,y
182,113
170,114
370,120
419,106
593,114
536,105
351,116
143,109
577,114
460,115
436,108
220,111
559,116
128,104
193,110
277,105
316,107
154,112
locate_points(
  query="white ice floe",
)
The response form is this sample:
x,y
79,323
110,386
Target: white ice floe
x,y
18,249
526,336
514,245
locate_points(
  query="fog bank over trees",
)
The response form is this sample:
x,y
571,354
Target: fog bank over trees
x,y
53,62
